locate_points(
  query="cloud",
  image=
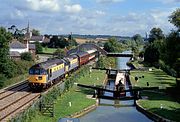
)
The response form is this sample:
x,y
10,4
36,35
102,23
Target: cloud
x,y
43,5
100,13
108,1
169,1
76,8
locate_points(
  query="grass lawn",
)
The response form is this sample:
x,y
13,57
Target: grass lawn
x,y
170,107
77,96
156,77
49,50
162,105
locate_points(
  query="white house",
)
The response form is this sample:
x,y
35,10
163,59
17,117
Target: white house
x,y
17,46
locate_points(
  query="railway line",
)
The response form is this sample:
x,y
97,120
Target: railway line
x,y
15,99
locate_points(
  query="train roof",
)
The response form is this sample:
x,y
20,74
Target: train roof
x,y
91,51
80,54
71,56
49,63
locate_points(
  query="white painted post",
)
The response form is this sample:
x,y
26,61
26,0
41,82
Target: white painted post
x,y
70,104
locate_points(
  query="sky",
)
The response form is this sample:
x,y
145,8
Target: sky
x,y
94,17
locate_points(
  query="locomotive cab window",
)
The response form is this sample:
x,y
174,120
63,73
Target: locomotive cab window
x,y
37,72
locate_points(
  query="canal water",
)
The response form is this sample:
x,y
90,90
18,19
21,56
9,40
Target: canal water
x,y
107,111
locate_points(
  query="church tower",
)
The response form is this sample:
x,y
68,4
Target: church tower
x,y
28,35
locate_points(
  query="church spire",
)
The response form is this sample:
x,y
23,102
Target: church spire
x,y
28,30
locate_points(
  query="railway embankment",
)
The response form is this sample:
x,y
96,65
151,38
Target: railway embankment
x,y
70,100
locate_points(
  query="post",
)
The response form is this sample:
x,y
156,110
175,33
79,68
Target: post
x,y
135,97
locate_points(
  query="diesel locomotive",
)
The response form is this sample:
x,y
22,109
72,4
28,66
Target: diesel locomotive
x,y
47,73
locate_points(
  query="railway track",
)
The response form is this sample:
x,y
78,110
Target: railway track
x,y
12,90
15,99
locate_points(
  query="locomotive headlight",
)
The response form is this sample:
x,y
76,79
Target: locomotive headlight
x,y
40,77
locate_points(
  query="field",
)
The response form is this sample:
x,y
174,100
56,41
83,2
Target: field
x,y
159,102
77,96
81,40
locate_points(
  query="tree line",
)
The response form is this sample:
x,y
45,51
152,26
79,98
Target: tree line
x,y
164,51
10,68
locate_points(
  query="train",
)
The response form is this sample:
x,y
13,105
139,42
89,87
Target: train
x,y
45,74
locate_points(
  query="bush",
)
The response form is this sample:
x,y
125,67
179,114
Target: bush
x,y
26,56
39,48
2,80
23,66
166,68
9,69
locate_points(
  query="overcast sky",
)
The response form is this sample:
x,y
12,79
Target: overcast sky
x,y
112,17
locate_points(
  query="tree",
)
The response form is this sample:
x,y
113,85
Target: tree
x,y
35,32
72,41
17,33
2,79
171,49
39,48
112,45
151,54
56,42
60,53
174,18
156,34
6,65
138,39
26,56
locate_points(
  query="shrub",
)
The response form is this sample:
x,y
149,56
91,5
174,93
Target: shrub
x,y
26,56
2,80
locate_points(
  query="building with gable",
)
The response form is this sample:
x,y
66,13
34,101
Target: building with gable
x,y
16,47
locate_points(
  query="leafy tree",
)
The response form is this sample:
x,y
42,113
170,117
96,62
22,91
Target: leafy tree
x,y
26,56
175,18
138,39
2,79
156,34
17,33
39,48
56,42
112,45
9,69
60,53
71,41
151,54
53,41
35,32
171,48
6,65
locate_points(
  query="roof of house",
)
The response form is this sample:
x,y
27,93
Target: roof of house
x,y
14,54
37,38
32,46
46,40
17,45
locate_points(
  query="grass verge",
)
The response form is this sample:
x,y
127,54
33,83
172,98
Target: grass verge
x,y
14,80
160,103
49,50
76,95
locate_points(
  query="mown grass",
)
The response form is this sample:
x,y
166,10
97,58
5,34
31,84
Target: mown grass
x,y
76,95
156,77
162,105
49,50
161,102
